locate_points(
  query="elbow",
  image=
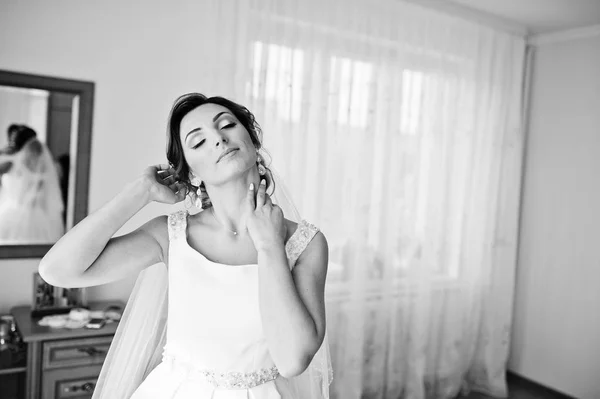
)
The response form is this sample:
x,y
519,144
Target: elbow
x,y
46,274
51,277
302,359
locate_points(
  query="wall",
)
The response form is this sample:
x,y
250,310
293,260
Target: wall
x,y
141,57
557,323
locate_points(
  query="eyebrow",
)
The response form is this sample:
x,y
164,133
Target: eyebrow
x,y
199,128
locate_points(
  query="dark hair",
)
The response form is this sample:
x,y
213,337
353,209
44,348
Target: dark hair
x,y
185,104
18,135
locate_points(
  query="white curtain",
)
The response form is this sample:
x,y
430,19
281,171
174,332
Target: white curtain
x,y
398,130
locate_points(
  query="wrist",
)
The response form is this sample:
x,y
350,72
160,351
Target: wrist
x,y
139,191
271,248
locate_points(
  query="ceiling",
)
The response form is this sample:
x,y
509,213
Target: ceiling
x,y
539,16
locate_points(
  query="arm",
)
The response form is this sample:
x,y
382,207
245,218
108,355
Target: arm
x,y
88,256
292,304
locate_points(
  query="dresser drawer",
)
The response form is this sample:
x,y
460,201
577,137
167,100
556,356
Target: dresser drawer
x,y
75,352
70,383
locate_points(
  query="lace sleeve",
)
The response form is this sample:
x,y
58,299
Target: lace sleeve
x,y
299,240
177,224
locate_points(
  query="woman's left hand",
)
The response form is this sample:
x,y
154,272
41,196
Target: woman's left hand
x,y
265,222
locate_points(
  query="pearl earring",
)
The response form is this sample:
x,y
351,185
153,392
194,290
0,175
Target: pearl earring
x,y
261,168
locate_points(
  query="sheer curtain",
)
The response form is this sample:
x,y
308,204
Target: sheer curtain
x,y
398,130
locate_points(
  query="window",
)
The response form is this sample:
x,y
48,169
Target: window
x,y
277,75
349,89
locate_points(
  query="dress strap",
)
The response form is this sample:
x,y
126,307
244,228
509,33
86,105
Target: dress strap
x,y
299,240
177,224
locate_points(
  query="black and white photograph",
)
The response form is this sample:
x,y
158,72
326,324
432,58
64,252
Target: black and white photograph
x,y
285,199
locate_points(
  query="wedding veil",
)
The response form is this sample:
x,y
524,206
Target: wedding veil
x,y
31,203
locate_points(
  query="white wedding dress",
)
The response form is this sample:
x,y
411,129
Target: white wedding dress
x,y
215,345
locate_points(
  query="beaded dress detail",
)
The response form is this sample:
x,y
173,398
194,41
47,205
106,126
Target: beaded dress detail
x,y
215,346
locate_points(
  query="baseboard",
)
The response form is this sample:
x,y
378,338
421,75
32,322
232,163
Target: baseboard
x,y
546,392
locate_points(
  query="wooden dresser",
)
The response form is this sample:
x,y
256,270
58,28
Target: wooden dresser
x,y
63,363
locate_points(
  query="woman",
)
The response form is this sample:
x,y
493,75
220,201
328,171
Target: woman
x,y
31,204
246,314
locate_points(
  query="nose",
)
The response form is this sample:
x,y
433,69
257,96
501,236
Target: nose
x,y
221,139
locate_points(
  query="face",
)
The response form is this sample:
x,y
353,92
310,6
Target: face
x,y
206,133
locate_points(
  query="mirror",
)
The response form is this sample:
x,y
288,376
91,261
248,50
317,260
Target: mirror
x,y
45,138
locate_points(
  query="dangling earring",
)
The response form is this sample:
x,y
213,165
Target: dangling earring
x,y
198,201
187,202
196,182
261,168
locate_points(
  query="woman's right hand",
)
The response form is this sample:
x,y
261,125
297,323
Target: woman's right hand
x,y
162,185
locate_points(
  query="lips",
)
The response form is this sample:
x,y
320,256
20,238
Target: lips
x,y
228,151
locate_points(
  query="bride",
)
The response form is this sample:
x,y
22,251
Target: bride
x,y
31,204
245,316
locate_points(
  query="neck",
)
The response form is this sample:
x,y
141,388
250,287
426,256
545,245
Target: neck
x,y
228,200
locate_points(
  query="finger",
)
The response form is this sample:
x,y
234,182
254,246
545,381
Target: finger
x,y
179,194
166,171
166,175
260,196
162,166
174,198
268,200
181,191
250,196
169,180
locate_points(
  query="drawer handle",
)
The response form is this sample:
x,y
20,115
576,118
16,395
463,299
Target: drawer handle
x,y
90,350
87,387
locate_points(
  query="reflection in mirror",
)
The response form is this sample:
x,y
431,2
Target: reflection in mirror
x,y
36,127
45,142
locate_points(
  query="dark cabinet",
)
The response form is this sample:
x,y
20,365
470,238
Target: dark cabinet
x,y
70,382
62,363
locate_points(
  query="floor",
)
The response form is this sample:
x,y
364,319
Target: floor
x,y
522,389
517,388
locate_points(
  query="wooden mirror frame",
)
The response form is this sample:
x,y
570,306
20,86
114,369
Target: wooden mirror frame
x,y
85,91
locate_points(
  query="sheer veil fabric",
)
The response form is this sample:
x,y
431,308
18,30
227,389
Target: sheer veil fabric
x,y
31,203
138,343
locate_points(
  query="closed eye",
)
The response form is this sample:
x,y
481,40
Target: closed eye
x,y
228,126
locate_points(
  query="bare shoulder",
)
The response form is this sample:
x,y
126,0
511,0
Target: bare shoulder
x,y
157,229
317,248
